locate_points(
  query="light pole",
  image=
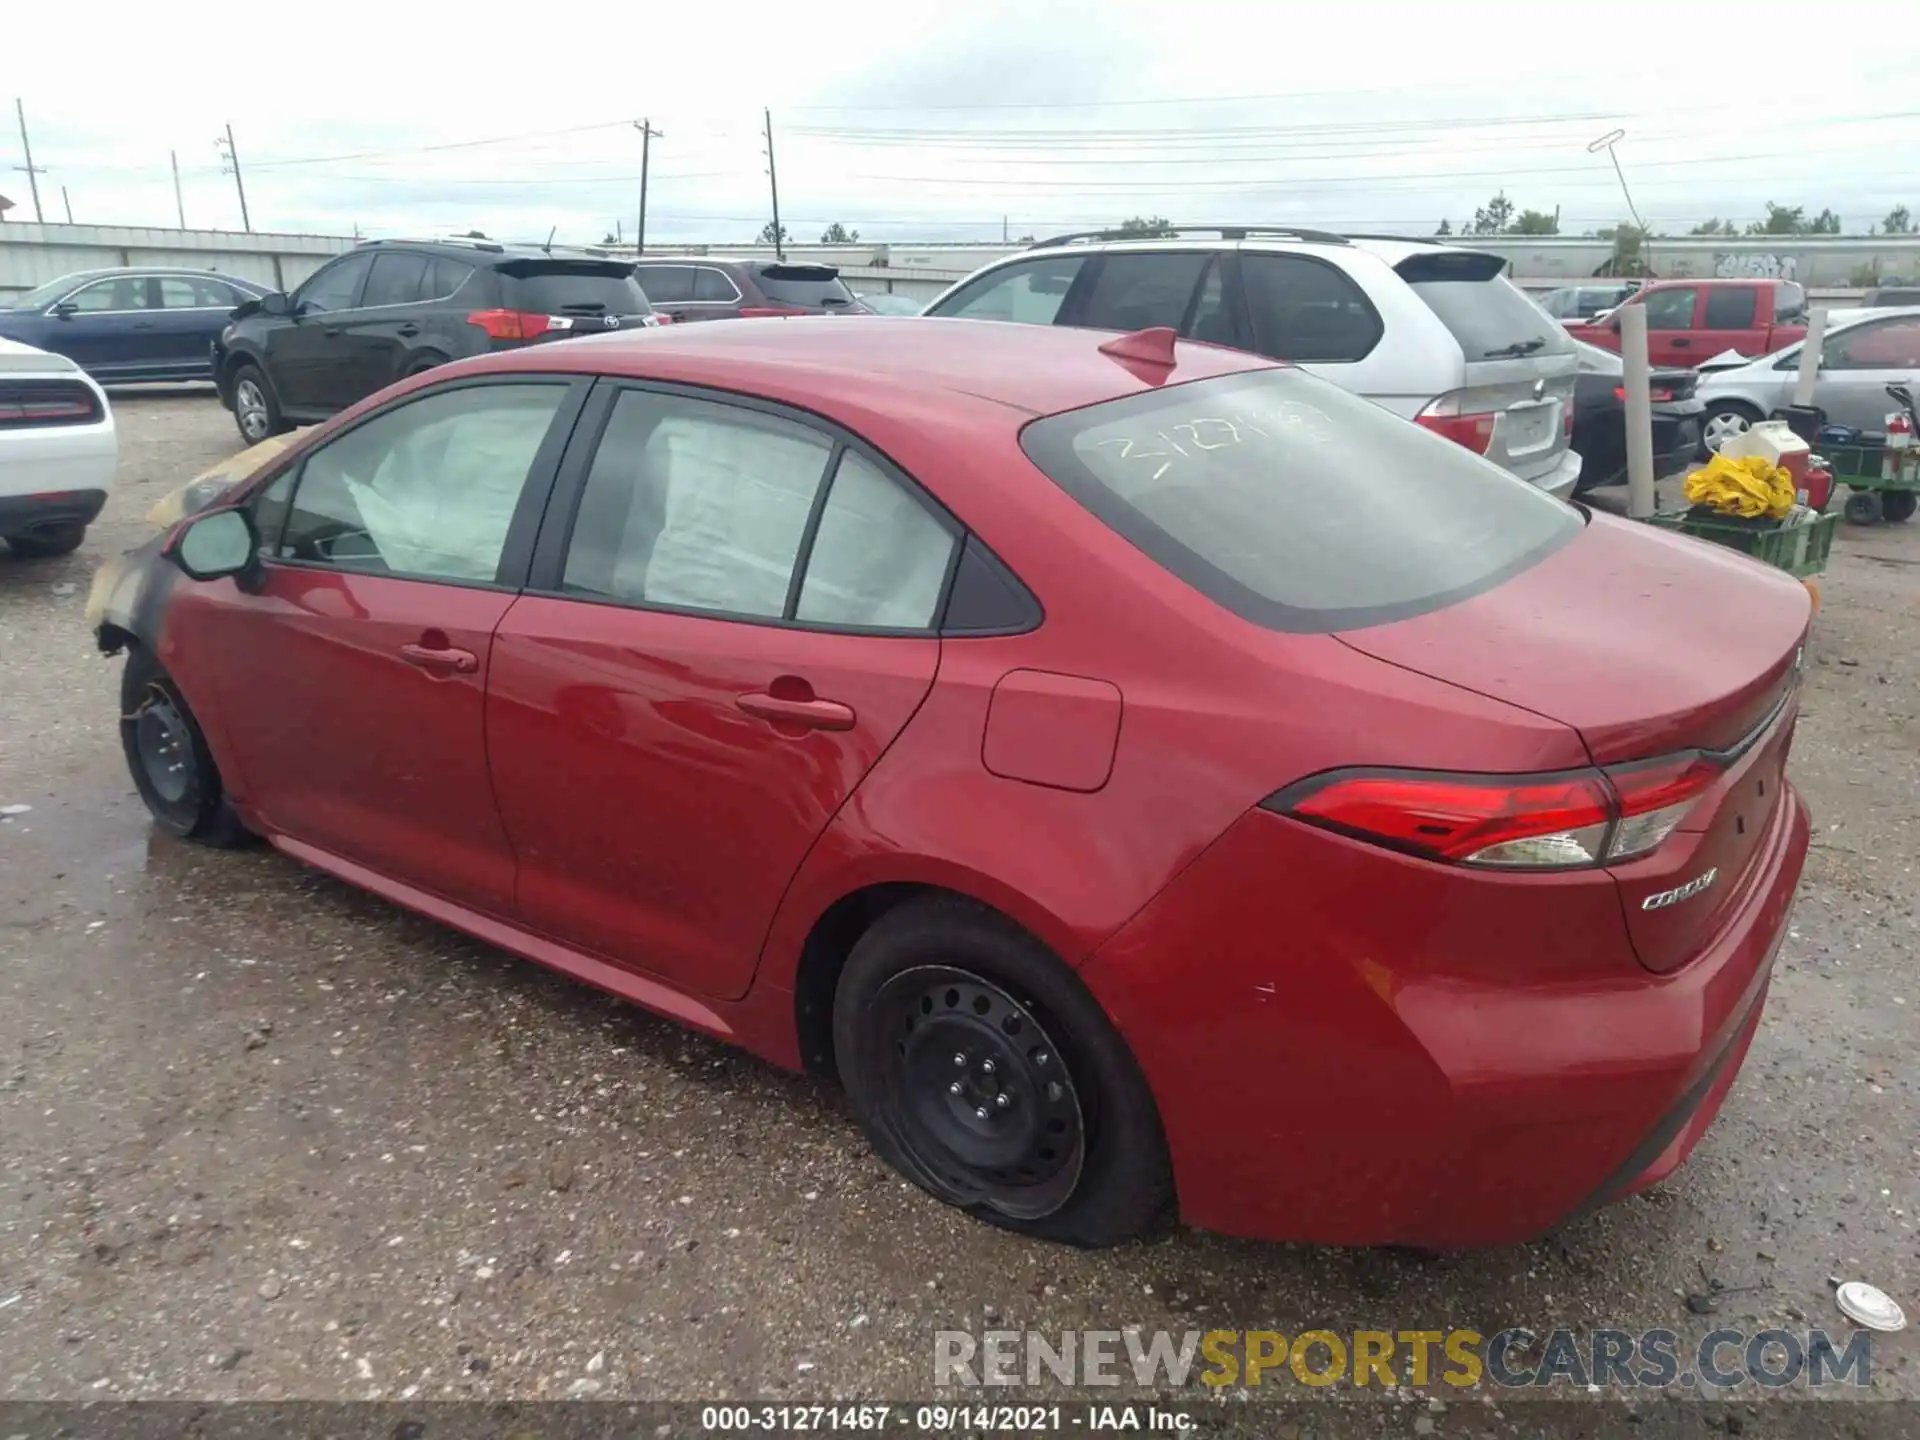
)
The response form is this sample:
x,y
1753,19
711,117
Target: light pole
x,y
1606,142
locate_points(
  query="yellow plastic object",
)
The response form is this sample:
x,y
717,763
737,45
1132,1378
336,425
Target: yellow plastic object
x,y
1748,488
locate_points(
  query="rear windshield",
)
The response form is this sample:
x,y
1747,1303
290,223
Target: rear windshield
x,y
803,285
573,287
1489,315
1295,504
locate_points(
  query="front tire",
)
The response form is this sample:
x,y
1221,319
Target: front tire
x,y
256,406
48,541
1725,419
984,1072
167,753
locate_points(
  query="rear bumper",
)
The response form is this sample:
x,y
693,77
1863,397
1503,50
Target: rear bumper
x,y
1351,1047
1560,480
24,514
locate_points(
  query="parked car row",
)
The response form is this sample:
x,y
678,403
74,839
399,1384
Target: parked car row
x,y
129,325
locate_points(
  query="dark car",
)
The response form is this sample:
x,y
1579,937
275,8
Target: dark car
x,y
697,287
130,324
1600,419
392,308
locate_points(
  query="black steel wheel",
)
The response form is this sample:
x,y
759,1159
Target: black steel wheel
x,y
978,1093
1898,505
1863,508
985,1073
167,754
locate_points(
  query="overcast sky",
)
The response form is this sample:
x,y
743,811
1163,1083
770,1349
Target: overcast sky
x,y
909,120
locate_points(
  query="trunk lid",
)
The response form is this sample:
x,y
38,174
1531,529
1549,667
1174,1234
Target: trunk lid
x,y
1520,365
1700,650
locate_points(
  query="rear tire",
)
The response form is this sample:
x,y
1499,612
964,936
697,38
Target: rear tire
x,y
424,364
1863,508
1898,505
48,541
984,1072
256,408
1724,420
167,753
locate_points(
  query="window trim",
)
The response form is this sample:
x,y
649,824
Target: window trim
x,y
153,293
545,578
516,554
1255,339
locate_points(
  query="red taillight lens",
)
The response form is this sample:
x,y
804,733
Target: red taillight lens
x,y
750,312
1654,799
1658,394
1533,822
1473,431
511,324
56,402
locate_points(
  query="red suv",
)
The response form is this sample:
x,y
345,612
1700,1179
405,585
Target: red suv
x,y
1134,769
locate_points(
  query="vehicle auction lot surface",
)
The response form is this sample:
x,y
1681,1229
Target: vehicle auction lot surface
x,y
263,1135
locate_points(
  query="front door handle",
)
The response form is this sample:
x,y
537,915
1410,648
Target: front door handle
x,y
142,325
1680,342
330,330
813,714
409,330
439,661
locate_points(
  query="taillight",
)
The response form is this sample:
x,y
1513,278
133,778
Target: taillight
x,y
1654,799
750,312
1473,429
1656,393
511,324
657,317
55,402
1532,822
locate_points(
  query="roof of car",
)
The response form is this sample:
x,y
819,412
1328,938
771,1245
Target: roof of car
x,y
109,271
1390,248
878,363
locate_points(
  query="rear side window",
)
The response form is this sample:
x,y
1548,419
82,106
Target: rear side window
x,y
448,276
563,287
397,279
1731,308
1030,293
803,285
1295,504
1136,292
1483,310
710,284
1306,311
666,284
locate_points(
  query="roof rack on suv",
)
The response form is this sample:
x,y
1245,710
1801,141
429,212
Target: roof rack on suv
x,y
1409,239
492,246
1225,232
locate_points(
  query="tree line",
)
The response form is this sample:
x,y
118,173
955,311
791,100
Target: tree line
x,y
1499,217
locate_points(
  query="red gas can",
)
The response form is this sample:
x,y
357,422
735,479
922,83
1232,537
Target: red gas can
x,y
1818,483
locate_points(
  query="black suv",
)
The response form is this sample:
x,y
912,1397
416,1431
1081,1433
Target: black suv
x,y
391,308
701,287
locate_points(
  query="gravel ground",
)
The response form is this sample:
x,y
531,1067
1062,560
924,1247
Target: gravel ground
x,y
264,1136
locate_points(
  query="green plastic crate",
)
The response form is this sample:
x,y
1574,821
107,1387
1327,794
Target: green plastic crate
x,y
1800,550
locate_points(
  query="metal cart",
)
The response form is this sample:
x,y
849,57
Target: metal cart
x,y
1882,483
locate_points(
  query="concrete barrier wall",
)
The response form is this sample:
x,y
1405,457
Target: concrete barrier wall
x,y
31,255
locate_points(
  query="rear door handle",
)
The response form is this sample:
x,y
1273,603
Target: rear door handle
x,y
409,329
330,330
813,714
1680,342
442,662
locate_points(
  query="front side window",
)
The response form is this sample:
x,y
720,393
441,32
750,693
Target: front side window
x,y
397,279
1030,293
126,292
1297,505
692,505
338,286
1670,309
426,490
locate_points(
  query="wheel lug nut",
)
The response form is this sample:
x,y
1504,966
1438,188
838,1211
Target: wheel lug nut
x,y
1001,1100
960,1057
1054,1092
1041,1058
955,1088
986,1067
981,1111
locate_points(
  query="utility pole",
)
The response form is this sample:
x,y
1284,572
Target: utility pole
x,y
67,204
773,181
232,167
33,171
647,135
179,204
1004,232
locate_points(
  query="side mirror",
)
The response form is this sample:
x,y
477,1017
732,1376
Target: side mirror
x,y
216,544
65,310
276,304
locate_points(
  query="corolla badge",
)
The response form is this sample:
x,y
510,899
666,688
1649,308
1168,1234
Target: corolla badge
x,y
1693,887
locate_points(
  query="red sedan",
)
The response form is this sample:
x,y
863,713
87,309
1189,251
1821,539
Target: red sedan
x,y
1137,771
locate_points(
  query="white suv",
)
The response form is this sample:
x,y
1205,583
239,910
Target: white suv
x,y
1433,332
58,452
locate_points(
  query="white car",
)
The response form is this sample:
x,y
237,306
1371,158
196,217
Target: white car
x,y
1435,333
1864,352
58,451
